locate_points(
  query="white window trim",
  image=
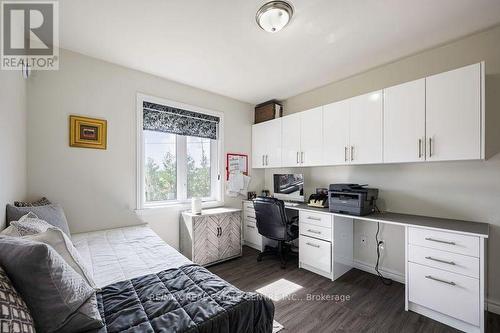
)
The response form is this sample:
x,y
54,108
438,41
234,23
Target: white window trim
x,y
216,159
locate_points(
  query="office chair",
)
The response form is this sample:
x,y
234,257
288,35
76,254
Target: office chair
x,y
273,223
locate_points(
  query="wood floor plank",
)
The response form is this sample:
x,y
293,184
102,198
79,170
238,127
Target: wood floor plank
x,y
372,307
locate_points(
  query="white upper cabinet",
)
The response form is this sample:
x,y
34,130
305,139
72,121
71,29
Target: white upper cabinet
x,y
266,144
454,112
438,118
404,122
336,133
366,128
311,137
291,140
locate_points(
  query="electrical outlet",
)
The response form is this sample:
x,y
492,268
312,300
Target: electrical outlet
x,y
382,245
363,241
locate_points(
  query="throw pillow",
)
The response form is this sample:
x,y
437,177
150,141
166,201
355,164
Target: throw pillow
x,y
52,289
30,224
63,245
40,202
10,231
14,314
53,214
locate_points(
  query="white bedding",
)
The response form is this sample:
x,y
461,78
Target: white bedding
x,y
119,254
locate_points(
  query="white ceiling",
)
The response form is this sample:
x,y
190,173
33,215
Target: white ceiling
x,y
217,46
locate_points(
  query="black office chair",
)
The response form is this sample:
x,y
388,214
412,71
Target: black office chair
x,y
273,223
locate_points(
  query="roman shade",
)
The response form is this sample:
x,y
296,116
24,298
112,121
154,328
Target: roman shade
x,y
162,118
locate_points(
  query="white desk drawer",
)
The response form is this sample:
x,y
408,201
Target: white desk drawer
x,y
248,205
252,234
315,231
249,219
322,220
248,213
315,253
449,293
446,241
456,263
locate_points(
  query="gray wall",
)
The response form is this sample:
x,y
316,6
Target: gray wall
x,y
97,188
12,139
462,190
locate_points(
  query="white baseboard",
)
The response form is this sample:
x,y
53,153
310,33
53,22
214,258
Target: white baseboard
x,y
388,273
493,305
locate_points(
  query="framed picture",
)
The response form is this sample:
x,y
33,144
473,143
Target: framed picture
x,y
87,132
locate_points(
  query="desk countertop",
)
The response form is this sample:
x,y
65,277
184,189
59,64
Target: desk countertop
x,y
474,228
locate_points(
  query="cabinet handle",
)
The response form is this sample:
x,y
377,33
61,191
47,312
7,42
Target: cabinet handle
x,y
440,241
313,245
430,147
298,160
419,148
352,153
314,218
218,232
250,217
441,260
451,283
263,160
345,153
250,226
267,159
302,157
314,231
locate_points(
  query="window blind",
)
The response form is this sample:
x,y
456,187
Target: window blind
x,y
162,118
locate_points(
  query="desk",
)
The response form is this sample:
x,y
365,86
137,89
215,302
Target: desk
x,y
444,260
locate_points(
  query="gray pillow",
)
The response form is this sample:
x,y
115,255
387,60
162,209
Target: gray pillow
x,y
52,289
52,214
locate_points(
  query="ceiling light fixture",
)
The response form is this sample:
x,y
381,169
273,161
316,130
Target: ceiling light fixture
x,y
274,15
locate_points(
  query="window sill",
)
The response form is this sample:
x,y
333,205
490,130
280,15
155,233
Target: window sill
x,y
175,206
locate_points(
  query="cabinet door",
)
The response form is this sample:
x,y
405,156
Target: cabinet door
x,y
230,235
404,122
291,140
272,143
336,133
258,145
206,240
311,137
366,140
453,114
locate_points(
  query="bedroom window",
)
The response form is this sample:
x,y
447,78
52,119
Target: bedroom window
x,y
179,153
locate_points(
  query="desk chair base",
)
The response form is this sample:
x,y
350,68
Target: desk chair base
x,y
283,250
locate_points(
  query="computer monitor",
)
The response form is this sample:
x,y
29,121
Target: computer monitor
x,y
289,187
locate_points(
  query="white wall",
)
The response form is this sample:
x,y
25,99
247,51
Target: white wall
x,y
12,139
461,190
97,187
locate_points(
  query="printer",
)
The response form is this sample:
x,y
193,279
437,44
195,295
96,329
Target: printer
x,y
352,199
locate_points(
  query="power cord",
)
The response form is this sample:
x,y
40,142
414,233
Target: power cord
x,y
384,280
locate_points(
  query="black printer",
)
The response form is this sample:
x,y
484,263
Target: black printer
x,y
352,199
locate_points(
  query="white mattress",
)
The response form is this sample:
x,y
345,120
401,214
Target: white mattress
x,y
119,254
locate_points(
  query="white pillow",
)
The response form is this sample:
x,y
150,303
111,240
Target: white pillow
x,y
11,231
57,239
30,224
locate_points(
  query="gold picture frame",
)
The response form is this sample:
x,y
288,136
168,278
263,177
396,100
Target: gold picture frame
x,y
87,132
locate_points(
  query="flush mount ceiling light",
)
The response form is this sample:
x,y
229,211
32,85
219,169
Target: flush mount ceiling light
x,y
274,16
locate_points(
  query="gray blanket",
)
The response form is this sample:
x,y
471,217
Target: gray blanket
x,y
185,299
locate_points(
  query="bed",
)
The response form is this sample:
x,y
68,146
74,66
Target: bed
x,y
148,286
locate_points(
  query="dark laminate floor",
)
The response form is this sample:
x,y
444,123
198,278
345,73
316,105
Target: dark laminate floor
x,y
373,307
